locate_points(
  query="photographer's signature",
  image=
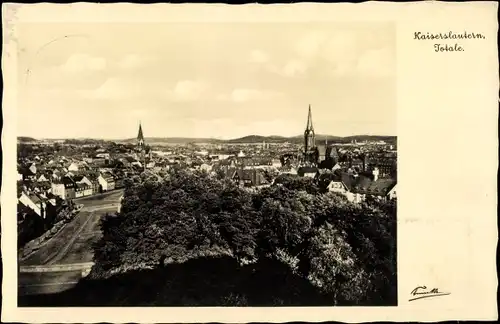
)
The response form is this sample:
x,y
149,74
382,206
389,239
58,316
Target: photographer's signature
x,y
423,292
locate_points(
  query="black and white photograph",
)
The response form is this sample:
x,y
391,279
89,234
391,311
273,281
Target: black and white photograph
x,y
187,163
207,164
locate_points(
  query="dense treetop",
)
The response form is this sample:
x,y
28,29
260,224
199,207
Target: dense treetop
x,y
346,251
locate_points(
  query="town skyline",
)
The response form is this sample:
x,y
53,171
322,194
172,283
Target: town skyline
x,y
274,136
73,77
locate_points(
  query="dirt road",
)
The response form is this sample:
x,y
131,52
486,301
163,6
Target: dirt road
x,y
73,244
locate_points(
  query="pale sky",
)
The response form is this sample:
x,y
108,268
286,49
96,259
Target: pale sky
x,y
220,80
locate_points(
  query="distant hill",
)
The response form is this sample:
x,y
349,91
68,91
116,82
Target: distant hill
x,y
259,139
171,140
24,139
250,139
319,138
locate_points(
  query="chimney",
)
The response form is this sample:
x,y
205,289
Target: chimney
x,y
375,174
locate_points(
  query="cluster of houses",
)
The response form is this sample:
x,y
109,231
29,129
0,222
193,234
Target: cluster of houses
x,y
246,171
356,178
43,184
356,175
85,184
69,182
48,182
43,179
356,187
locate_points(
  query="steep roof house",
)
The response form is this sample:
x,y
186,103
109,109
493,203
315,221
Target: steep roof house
x,y
34,202
82,179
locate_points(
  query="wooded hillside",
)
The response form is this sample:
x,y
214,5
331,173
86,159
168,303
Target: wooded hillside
x,y
338,252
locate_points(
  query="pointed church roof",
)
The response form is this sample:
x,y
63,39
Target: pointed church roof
x,y
140,136
309,120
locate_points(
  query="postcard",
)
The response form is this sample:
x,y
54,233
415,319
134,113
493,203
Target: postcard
x,y
252,163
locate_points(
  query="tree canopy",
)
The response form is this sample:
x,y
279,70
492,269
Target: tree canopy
x,y
347,251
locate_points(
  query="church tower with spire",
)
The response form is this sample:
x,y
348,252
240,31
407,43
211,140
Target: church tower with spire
x,y
309,136
140,138
310,149
141,146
